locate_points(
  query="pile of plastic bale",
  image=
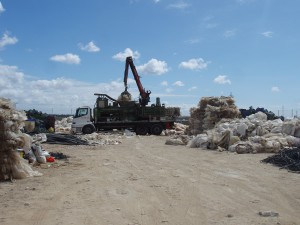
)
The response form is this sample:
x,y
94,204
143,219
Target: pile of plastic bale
x,y
64,125
12,166
254,134
179,129
209,112
102,138
216,124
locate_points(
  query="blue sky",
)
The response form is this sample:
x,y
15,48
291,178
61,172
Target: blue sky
x,y
54,55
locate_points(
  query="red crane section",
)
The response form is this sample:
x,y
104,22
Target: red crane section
x,y
144,98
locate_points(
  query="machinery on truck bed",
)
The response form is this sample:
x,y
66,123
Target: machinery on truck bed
x,y
109,113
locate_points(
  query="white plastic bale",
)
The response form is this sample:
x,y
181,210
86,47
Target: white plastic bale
x,y
260,131
174,141
277,129
241,147
242,129
11,121
233,140
27,142
22,170
288,127
293,141
200,141
259,116
272,146
297,132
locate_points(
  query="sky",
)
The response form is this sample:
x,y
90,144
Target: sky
x,y
55,54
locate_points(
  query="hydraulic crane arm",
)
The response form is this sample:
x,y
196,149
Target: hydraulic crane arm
x,y
144,95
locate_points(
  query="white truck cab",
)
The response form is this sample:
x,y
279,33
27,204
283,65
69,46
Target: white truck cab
x,y
83,121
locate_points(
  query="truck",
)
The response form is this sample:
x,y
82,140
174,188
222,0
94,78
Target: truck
x,y
123,113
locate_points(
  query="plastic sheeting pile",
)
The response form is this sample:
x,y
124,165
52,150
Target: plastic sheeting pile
x,y
65,139
216,124
11,164
210,111
288,158
254,134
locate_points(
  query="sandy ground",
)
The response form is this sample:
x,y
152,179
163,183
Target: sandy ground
x,y
145,182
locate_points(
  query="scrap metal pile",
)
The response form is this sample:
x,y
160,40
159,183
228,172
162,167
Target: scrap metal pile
x,y
288,158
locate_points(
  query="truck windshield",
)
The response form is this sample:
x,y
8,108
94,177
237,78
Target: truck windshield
x,y
81,112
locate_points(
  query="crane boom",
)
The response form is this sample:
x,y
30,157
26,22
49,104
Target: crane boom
x,y
144,98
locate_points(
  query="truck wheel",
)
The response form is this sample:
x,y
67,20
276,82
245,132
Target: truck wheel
x,y
141,130
87,129
156,129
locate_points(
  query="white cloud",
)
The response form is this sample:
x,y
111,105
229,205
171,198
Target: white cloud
x,y
229,33
10,76
169,90
156,1
178,83
68,58
58,83
90,47
275,89
164,83
154,66
194,64
1,8
59,94
193,41
209,23
267,34
192,88
222,79
121,56
7,40
179,5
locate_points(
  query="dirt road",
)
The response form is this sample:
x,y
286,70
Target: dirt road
x,y
145,182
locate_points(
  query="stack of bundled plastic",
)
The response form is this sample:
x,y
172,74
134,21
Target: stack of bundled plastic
x,y
64,125
179,129
254,134
11,164
210,111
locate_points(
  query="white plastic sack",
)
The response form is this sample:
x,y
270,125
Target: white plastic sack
x,y
258,116
242,129
174,141
288,127
23,170
38,152
200,141
293,141
42,137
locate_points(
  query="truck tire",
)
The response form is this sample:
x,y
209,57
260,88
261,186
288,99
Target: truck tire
x,y
142,130
156,129
87,129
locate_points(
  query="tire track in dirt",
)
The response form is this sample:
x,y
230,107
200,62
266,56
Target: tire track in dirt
x,y
168,201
